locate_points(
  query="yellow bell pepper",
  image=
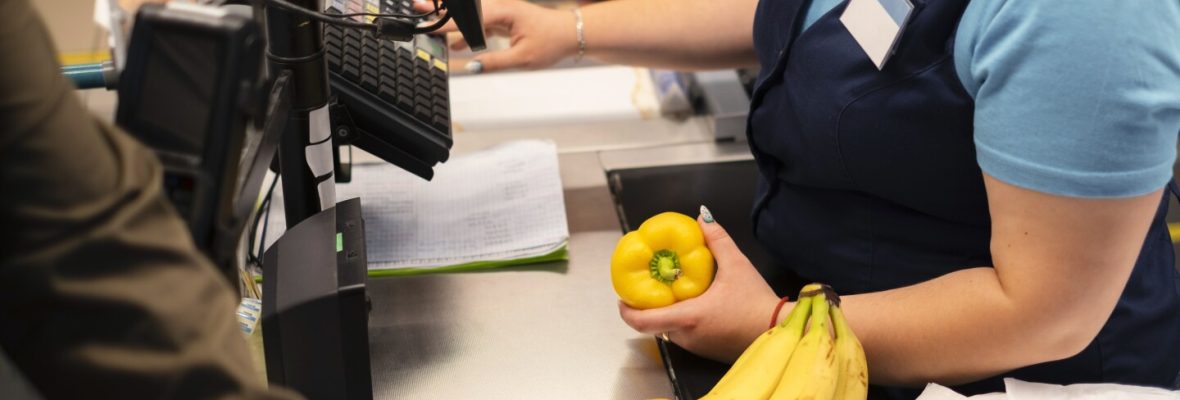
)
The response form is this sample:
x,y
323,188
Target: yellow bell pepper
x,y
662,262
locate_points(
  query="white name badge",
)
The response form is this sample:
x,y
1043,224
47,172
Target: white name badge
x,y
877,25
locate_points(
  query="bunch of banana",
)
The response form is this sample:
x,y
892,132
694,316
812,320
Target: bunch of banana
x,y
784,363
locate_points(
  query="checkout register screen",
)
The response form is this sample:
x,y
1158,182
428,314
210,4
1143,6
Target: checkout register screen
x,y
178,87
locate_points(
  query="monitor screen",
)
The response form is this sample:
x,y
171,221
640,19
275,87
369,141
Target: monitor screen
x,y
179,82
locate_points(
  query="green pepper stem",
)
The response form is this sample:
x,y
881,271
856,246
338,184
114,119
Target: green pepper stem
x,y
665,266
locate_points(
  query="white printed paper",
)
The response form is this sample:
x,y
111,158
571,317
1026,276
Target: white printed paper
x,y
503,203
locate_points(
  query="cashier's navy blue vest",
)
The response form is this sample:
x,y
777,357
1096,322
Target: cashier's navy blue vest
x,y
869,182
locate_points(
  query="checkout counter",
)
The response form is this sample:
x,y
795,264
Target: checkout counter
x,y
539,331
552,330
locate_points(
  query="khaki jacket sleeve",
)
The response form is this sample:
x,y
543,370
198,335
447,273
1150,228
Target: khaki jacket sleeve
x,y
102,293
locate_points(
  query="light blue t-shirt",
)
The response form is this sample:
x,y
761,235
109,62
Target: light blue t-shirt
x,y
1077,98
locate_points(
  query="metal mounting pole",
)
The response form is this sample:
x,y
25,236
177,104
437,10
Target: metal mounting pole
x,y
295,43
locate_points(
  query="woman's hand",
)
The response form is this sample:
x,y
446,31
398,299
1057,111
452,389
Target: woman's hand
x,y
720,323
540,37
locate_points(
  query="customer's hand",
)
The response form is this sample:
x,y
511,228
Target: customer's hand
x,y
540,37
721,322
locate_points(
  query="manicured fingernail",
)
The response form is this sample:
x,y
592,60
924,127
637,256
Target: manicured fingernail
x,y
474,66
706,215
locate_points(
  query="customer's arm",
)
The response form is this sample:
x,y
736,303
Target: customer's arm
x,y
680,34
102,293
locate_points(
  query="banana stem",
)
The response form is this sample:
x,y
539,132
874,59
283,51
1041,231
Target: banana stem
x,y
817,288
798,317
819,312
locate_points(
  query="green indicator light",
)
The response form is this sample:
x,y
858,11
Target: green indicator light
x,y
339,242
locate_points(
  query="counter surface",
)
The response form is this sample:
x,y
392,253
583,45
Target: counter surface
x,y
547,331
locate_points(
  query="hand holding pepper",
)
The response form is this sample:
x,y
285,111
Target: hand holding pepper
x,y
662,262
723,320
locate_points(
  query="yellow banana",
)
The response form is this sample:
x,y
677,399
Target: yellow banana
x,y
853,369
811,373
733,379
756,372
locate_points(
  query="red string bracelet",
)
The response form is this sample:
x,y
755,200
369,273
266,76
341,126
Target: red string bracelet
x,y
777,308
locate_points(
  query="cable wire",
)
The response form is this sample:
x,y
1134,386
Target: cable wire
x,y
318,16
322,17
343,21
435,26
263,209
366,14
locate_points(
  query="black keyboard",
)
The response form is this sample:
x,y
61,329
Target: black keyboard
x,y
396,93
